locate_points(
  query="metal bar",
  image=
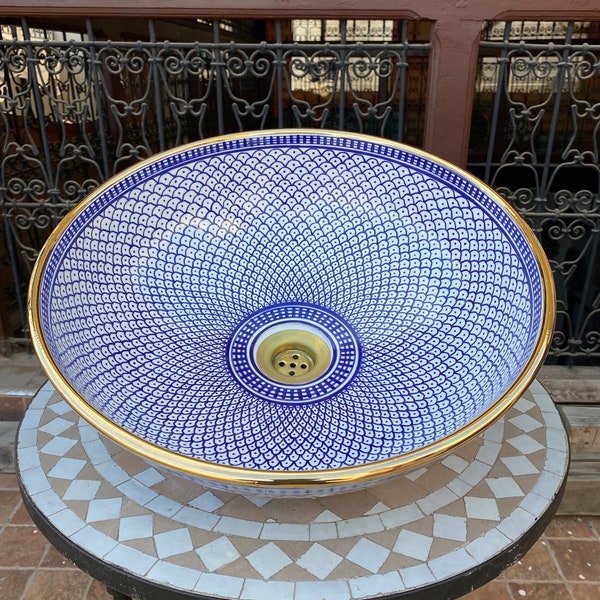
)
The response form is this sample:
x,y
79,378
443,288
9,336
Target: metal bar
x,y
40,112
11,244
158,103
403,70
218,77
279,66
95,82
503,62
415,49
343,67
560,80
580,314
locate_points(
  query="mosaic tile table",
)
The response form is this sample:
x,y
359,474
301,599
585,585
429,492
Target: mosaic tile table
x,y
438,531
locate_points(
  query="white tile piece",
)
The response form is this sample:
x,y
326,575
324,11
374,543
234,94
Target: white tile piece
x,y
255,589
455,463
225,586
87,433
523,405
450,527
475,472
375,585
488,453
436,500
130,558
35,480
377,509
495,433
482,508
174,575
526,423
534,504
137,491
149,477
414,475
554,422
413,544
58,446
173,542
556,439
67,522
359,526
488,545
82,489
93,541
323,590
547,485
48,502
207,501
401,516
258,500
241,527
29,458
520,465
319,561
452,563
285,531
97,452
104,509
164,506
112,472
538,391
218,553
135,528
200,518
268,560
57,426
66,468
504,487
33,416
326,517
60,407
555,461
417,576
516,523
322,531
525,444
368,554
459,487
27,437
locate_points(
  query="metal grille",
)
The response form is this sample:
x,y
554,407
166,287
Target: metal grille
x,y
76,108
535,139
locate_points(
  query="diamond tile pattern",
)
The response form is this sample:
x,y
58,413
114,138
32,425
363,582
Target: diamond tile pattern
x,y
387,539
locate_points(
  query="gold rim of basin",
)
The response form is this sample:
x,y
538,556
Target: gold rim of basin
x,y
294,480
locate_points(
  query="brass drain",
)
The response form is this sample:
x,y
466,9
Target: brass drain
x,y
293,356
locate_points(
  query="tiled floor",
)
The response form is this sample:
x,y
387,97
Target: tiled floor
x,y
563,565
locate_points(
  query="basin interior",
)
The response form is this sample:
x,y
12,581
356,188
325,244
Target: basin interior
x,y
291,302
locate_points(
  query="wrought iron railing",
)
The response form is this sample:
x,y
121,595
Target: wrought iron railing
x,y
78,107
535,139
75,109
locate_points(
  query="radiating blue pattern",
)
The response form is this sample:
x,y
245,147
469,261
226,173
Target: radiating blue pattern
x,y
145,290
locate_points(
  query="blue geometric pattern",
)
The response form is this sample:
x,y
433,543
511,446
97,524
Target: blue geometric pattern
x,y
144,291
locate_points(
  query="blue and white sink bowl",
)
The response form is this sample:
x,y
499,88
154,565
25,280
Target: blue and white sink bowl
x,y
169,306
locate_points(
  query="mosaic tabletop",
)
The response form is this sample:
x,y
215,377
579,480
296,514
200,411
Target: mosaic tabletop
x,y
425,527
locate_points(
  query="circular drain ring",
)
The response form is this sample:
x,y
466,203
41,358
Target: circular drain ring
x,y
328,371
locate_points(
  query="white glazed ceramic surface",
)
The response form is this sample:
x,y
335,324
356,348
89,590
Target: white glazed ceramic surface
x,y
150,300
